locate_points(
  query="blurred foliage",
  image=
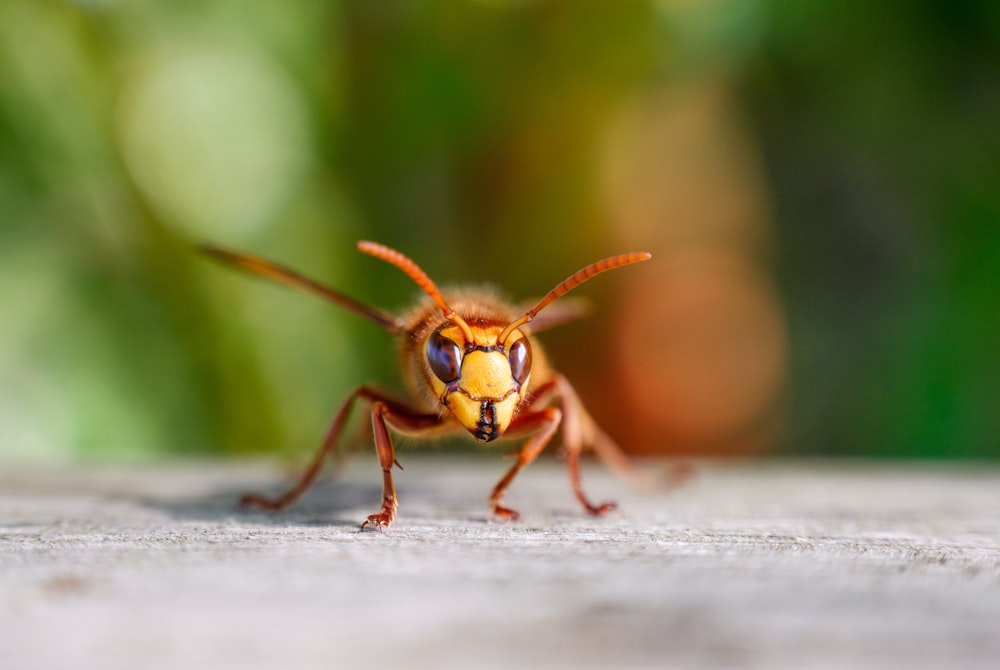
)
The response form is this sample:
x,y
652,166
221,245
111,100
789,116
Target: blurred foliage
x,y
825,169
879,123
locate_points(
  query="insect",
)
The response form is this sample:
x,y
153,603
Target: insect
x,y
471,361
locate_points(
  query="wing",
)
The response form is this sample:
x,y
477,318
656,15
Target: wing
x,y
279,273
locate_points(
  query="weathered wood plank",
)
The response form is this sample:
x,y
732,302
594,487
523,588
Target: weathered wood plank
x,y
759,565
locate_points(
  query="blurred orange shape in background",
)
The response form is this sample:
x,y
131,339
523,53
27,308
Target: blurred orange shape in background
x,y
701,341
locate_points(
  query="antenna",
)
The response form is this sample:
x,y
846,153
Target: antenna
x,y
572,282
414,272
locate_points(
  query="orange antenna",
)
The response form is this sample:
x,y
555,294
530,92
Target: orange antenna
x,y
571,283
414,272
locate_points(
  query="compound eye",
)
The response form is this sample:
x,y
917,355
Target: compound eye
x,y
444,356
520,360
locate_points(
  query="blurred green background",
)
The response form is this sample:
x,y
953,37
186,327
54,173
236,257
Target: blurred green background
x,y
819,184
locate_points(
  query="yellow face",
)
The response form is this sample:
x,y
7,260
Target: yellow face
x,y
480,382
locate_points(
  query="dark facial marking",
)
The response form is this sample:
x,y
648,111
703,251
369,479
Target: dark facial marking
x,y
486,429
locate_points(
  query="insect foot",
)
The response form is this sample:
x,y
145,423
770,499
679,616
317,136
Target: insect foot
x,y
252,500
383,519
380,521
505,513
602,509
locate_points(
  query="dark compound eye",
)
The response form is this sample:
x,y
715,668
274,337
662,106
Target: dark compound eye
x,y
520,360
444,356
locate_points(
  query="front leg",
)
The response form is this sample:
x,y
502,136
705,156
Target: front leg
x,y
405,421
543,424
579,430
386,459
328,448
384,409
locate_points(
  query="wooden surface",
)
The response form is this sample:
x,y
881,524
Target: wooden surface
x,y
750,565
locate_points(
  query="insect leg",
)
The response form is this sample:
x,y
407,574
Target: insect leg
x,y
328,447
404,421
386,459
545,422
309,476
579,429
